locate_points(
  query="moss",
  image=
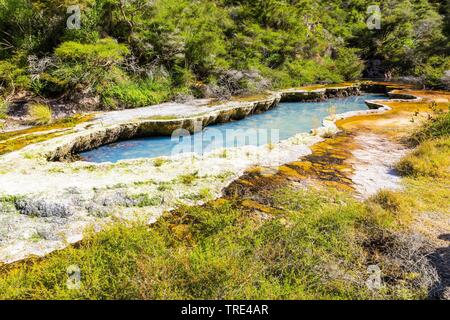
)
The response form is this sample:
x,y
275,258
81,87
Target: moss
x,y
254,205
21,142
145,200
188,179
160,162
57,124
16,140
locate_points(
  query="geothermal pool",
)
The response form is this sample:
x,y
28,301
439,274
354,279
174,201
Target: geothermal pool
x,y
282,122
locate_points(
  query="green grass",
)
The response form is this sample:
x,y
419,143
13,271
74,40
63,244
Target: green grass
x,y
435,128
314,249
431,158
40,114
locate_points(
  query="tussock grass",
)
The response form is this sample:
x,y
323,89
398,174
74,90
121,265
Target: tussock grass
x,y
431,158
40,114
435,128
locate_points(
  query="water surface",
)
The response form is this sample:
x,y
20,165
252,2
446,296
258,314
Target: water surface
x,y
282,122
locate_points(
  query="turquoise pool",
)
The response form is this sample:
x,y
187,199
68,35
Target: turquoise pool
x,y
282,122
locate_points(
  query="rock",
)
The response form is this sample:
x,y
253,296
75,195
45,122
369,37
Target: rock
x,y
42,208
119,198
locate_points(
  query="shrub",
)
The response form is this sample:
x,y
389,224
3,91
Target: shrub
x,y
12,77
135,94
85,67
433,71
188,179
159,162
40,114
104,52
435,128
348,64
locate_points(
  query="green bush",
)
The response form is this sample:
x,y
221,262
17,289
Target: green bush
x,y
433,71
348,64
12,77
85,67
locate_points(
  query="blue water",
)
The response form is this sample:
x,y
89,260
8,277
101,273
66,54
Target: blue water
x,y
282,122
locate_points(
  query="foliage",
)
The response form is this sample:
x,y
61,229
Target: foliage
x,y
124,45
85,67
433,72
12,77
129,94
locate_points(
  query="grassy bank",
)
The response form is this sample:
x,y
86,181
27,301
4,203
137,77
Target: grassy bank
x,y
313,248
